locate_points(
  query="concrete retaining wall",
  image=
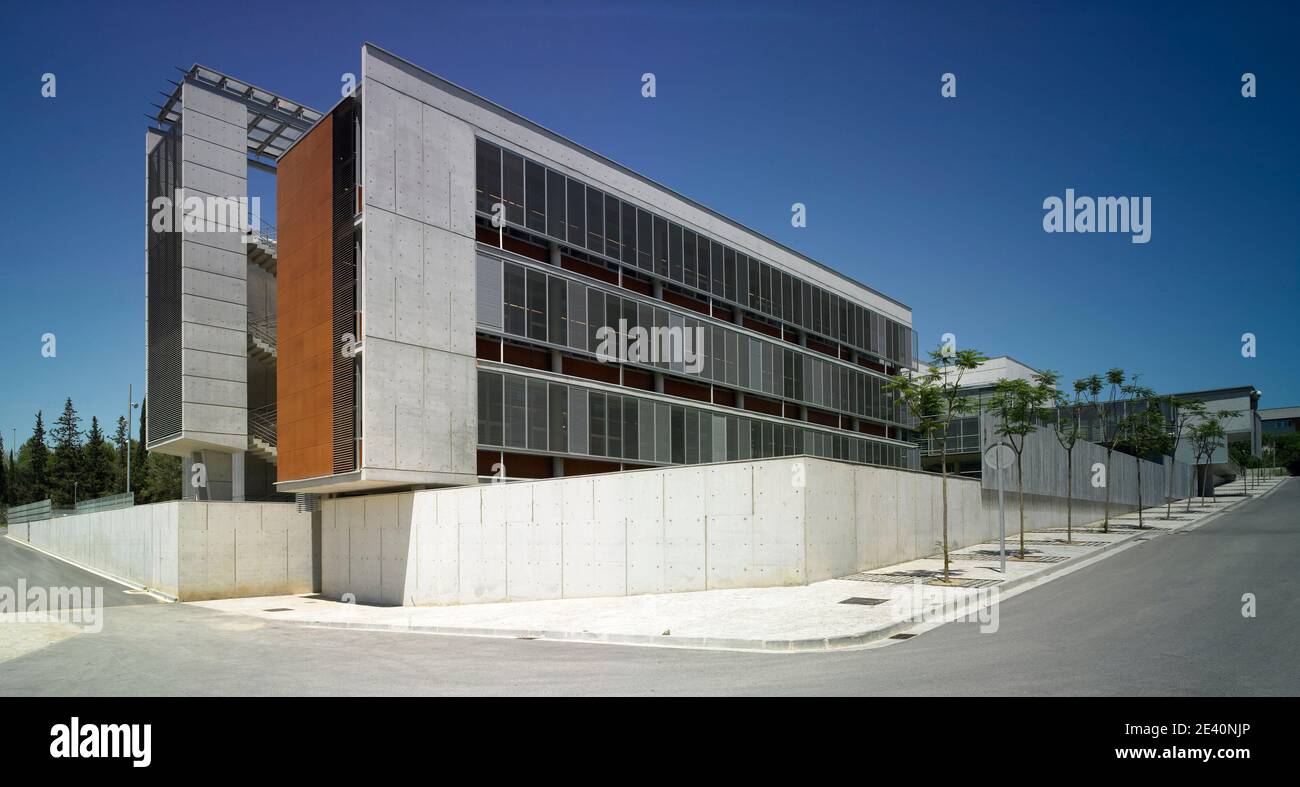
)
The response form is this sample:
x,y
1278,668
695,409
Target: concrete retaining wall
x,y
187,549
785,521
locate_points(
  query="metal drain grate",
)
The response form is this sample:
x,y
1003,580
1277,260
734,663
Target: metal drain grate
x,y
1012,554
278,609
863,601
1057,542
926,577
902,636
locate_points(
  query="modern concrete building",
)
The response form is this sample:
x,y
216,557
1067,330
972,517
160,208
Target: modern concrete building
x,y
463,294
964,441
211,281
1279,420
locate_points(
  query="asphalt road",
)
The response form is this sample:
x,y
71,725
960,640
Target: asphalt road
x,y
1163,617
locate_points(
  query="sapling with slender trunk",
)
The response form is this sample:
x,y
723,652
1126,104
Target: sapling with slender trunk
x,y
934,398
1016,404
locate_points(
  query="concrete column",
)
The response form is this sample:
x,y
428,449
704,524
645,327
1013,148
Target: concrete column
x,y
557,361
555,254
557,466
220,470
659,382
238,475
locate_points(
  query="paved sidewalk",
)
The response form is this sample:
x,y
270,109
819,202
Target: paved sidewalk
x,y
894,600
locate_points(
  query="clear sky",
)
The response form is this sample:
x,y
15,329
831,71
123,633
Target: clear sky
x,y
936,202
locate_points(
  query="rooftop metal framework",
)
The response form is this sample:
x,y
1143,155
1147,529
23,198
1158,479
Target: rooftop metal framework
x,y
274,122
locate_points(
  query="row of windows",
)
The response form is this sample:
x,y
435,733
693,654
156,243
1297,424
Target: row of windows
x,y
529,303
525,413
547,202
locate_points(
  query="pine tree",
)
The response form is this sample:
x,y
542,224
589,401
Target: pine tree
x,y
65,465
37,471
161,479
97,463
140,460
119,443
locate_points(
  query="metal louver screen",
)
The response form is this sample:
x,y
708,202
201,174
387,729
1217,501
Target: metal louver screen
x,y
345,287
164,307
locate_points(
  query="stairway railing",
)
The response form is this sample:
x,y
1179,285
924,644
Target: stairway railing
x,y
262,424
264,330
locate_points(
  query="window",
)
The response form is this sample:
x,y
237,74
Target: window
x,y
613,247
537,415
660,246
535,196
729,283
629,234
559,417
577,214
557,292
692,437
489,408
595,317
690,254
595,220
596,422
488,175
516,420
717,277
512,169
537,305
644,242
630,428
614,426
577,308
678,435
555,203
674,251
516,315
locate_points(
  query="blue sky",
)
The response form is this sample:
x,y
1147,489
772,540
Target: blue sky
x,y
936,202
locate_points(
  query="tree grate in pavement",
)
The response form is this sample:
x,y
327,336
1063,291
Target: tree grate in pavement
x,y
1012,554
926,578
1058,542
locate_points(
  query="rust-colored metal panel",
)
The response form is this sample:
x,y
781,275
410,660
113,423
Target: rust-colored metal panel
x,y
304,214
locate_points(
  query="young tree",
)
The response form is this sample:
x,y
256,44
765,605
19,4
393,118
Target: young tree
x,y
1068,429
1143,430
140,459
1016,404
935,399
1109,416
36,469
97,463
65,467
1207,437
1179,414
1240,457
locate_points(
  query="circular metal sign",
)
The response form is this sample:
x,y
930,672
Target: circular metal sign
x,y
999,456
